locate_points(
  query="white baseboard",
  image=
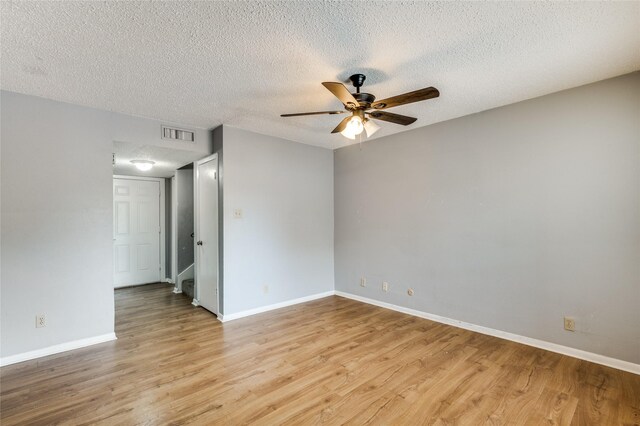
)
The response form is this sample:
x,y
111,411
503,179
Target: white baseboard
x,y
242,314
176,291
194,302
167,280
51,350
553,347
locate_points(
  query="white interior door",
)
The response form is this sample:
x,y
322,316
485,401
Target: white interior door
x,y
206,224
136,232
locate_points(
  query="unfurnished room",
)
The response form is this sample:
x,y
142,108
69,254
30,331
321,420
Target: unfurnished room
x,y
319,212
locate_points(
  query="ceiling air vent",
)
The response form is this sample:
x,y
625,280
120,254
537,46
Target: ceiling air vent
x,y
171,133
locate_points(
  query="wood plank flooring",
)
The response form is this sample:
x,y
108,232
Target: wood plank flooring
x,y
330,361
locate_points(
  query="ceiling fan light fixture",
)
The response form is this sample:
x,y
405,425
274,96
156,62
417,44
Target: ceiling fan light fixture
x,y
360,104
370,127
348,134
355,125
143,165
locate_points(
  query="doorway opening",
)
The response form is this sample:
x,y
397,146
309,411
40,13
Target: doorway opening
x,y
165,222
183,231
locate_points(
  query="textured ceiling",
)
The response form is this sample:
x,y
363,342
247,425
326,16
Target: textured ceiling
x,y
244,63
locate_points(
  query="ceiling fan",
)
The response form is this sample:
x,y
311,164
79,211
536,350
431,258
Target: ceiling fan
x,y
363,107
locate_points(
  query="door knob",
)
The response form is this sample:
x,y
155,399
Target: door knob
x,y
199,243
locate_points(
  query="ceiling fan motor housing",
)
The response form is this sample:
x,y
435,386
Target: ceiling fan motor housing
x,y
364,98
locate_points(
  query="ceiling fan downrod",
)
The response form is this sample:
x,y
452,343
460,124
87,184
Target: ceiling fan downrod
x,y
357,80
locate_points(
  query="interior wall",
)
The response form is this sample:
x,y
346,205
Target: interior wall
x,y
145,131
56,195
282,246
56,249
510,219
184,186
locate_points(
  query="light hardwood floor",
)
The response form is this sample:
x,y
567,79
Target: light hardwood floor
x,y
331,361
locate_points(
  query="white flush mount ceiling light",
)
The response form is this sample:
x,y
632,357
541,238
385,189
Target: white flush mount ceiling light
x,y
143,165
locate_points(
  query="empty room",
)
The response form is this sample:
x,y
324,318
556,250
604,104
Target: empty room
x,y
319,212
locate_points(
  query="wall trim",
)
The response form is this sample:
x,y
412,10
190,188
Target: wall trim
x,y
55,349
122,287
249,312
529,341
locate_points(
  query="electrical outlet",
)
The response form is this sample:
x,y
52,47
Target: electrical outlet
x,y
410,292
569,324
265,288
237,213
363,282
385,286
40,321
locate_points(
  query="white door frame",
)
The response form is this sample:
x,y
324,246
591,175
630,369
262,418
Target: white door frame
x,y
174,234
196,206
163,277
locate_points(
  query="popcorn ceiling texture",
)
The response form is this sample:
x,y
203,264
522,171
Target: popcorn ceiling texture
x,y
242,64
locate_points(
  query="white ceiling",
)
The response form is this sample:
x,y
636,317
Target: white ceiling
x,y
244,63
167,160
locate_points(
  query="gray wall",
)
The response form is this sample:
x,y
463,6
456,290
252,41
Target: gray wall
x,y
510,218
184,189
56,195
56,223
145,131
285,238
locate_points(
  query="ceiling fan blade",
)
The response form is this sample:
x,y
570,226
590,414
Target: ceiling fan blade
x,y
343,125
312,113
341,92
392,118
407,98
